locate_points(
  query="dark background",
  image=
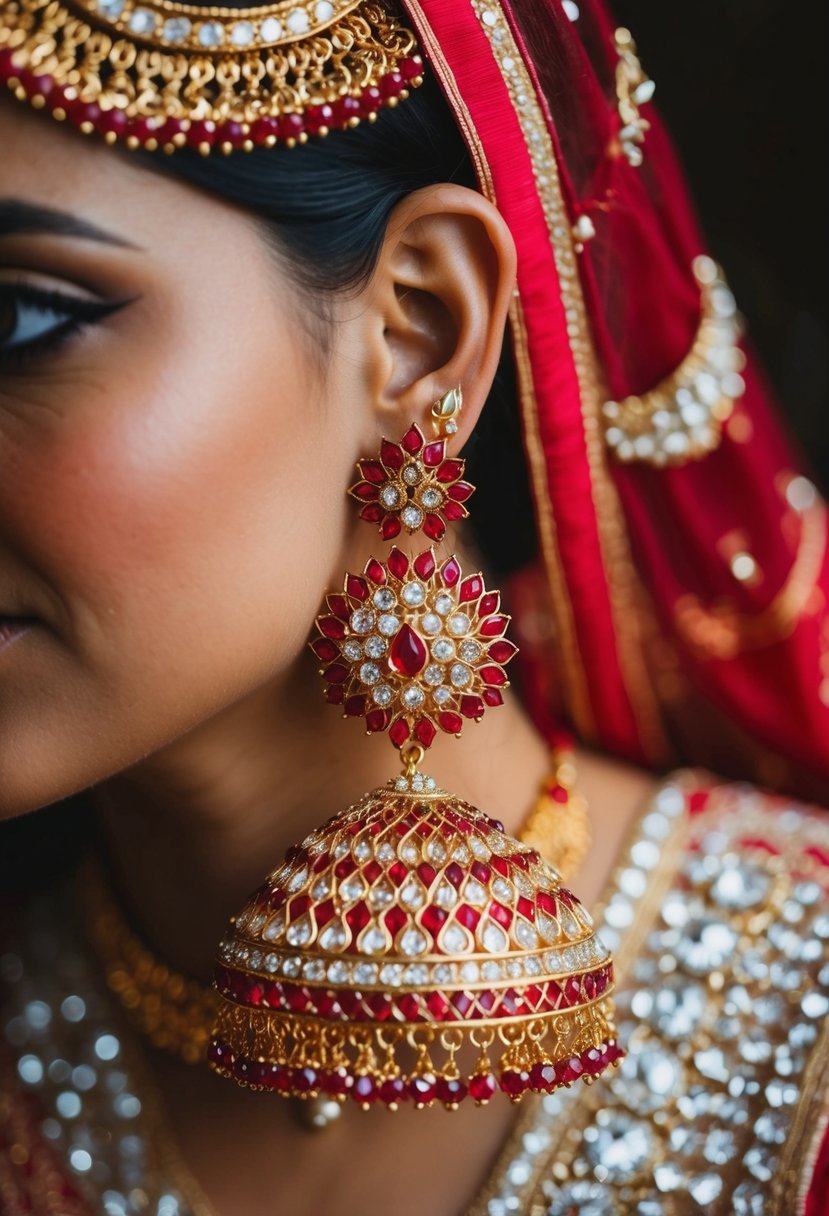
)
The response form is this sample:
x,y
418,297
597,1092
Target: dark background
x,y
742,85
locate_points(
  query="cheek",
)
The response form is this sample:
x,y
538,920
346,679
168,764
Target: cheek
x,y
187,522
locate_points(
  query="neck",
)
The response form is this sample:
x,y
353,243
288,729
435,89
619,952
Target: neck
x,y
194,829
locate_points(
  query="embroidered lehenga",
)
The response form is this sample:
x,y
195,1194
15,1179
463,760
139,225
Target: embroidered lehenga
x,y
675,614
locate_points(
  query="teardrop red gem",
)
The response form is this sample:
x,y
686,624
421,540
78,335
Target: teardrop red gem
x,y
407,653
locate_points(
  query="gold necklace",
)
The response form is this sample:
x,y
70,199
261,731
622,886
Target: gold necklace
x,y
177,1013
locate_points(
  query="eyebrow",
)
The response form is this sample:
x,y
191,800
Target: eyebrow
x,y
17,216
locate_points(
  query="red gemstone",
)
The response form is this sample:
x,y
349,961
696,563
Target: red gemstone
x,y
493,675
433,453
482,1087
437,1006
468,917
398,563
515,1083
264,129
357,587
454,874
323,912
338,604
391,455
392,85
433,919
393,1091
424,732
291,127
399,732
319,117
336,1083
493,626
543,1077
489,603
568,1071
422,1089
380,1005
462,1003
346,109
424,564
408,653
526,907
355,707
450,572
500,914
372,513
373,471
391,527
357,917
375,570
470,588
453,511
461,491
451,723
450,470
593,1061
395,919
325,649
412,67
377,719
434,527
472,707
481,871
502,651
335,674
450,1090
409,1006
364,1090
398,872
426,874
371,99
331,627
412,441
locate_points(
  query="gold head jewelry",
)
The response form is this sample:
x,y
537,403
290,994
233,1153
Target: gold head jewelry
x,y
157,74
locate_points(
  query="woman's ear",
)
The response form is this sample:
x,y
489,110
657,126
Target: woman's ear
x,y
437,306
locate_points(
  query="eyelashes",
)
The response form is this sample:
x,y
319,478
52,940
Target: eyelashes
x,y
35,323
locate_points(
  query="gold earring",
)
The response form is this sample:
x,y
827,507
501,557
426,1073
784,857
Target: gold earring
x,y
445,413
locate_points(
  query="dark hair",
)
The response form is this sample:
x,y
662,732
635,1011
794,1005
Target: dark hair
x,y
324,208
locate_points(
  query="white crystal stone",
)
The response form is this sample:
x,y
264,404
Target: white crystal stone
x,y
413,942
177,29
323,10
459,675
352,888
275,930
271,962
321,888
142,21
459,624
111,8
241,33
444,973
372,940
433,674
413,594
375,646
436,850
479,848
383,598
297,21
410,853
492,970
362,621
301,931
443,650
412,894
431,623
416,974
412,517
476,894
413,696
270,30
446,896
298,879
369,673
644,92
382,694
444,603
411,474
455,939
431,498
526,934
388,625
313,969
381,894
469,650
365,973
211,34
418,781
390,496
332,937
352,649
494,938
503,890
391,974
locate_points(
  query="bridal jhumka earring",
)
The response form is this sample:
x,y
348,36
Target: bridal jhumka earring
x,y
409,950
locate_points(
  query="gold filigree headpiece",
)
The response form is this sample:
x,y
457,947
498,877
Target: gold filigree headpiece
x,y
157,74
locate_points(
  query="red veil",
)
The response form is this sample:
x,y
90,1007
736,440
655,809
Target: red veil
x,y
659,652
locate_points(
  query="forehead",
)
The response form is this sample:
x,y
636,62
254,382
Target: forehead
x,y
46,162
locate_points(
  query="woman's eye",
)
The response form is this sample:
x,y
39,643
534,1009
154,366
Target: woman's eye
x,y
35,321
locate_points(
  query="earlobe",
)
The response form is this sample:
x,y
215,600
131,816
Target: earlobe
x,y
439,303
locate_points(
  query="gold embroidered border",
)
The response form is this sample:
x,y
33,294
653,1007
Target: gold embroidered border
x,y
618,564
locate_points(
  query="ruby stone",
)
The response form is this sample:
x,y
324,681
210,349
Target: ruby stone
x,y
408,653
